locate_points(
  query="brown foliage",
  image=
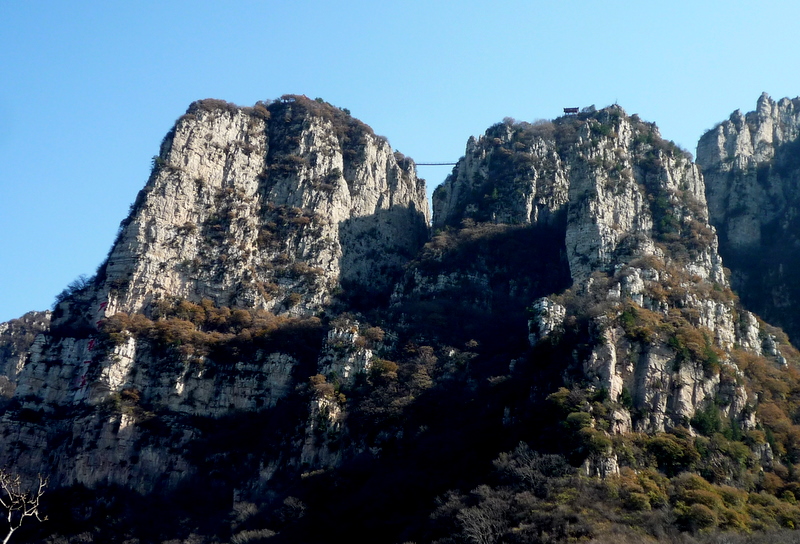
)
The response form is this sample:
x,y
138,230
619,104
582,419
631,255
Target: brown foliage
x,y
198,329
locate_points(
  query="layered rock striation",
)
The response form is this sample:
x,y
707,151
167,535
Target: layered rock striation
x,y
598,169
273,323
17,338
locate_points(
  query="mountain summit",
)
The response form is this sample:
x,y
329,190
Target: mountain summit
x,y
279,343
246,206
751,167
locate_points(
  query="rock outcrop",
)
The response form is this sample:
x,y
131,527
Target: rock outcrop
x,y
598,169
275,343
628,211
17,338
277,207
253,221
751,167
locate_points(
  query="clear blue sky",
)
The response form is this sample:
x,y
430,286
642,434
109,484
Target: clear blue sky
x,y
88,89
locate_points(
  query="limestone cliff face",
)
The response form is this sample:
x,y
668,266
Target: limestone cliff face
x,y
133,412
538,185
599,169
628,211
271,211
750,164
272,207
16,340
271,314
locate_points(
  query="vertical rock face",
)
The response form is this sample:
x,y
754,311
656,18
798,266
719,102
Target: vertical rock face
x,y
271,318
751,167
253,219
17,339
628,210
512,174
610,174
271,207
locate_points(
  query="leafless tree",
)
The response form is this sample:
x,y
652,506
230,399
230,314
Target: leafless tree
x,y
484,523
19,503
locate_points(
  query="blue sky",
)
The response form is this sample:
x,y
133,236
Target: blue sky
x,y
88,89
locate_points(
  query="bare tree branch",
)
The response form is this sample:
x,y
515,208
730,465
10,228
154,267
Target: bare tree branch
x,y
19,503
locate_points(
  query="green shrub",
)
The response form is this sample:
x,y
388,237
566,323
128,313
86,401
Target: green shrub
x,y
638,501
319,384
578,420
707,421
672,454
383,369
594,441
700,516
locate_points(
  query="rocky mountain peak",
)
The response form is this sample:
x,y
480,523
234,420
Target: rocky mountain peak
x,y
751,169
277,206
753,136
275,329
620,189
617,212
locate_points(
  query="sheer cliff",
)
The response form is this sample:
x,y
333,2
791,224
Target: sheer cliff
x,y
624,213
253,222
247,206
599,169
751,167
277,345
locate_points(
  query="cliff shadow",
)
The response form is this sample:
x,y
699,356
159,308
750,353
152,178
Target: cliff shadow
x,y
375,250
766,274
477,282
